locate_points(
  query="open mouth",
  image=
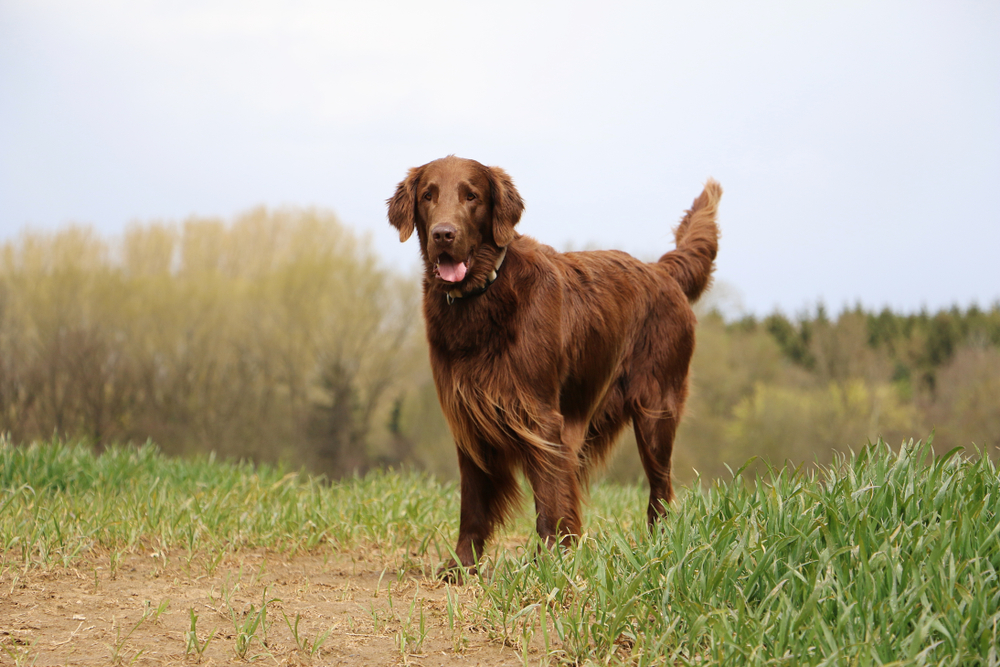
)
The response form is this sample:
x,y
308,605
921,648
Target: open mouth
x,y
449,270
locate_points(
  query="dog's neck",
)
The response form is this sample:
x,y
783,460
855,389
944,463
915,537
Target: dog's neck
x,y
459,294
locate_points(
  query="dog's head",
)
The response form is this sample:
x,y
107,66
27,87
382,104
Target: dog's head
x,y
464,214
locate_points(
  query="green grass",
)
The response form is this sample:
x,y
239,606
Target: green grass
x,y
883,558
58,501
886,557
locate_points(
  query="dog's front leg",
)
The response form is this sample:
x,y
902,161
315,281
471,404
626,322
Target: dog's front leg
x,y
486,499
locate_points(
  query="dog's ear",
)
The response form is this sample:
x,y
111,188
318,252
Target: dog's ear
x,y
507,206
403,205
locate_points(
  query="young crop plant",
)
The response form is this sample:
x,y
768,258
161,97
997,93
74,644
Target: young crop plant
x,y
117,649
191,642
456,620
413,629
307,647
18,652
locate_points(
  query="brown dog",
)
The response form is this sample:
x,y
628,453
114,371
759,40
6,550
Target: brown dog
x,y
541,358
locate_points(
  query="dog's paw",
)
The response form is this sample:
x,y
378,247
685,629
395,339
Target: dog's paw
x,y
454,572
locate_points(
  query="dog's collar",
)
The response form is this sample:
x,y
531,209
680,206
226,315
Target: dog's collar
x,y
459,294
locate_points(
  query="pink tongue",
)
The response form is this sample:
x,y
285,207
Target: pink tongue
x,y
453,272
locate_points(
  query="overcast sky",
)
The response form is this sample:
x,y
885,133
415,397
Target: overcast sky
x,y
858,143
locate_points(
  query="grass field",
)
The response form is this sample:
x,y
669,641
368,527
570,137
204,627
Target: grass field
x,y
886,557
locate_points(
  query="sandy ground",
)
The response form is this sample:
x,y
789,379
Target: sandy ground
x,y
138,612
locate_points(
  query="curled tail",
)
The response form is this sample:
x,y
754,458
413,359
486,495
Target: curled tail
x,y
697,238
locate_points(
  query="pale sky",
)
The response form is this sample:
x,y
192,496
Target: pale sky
x,y
858,143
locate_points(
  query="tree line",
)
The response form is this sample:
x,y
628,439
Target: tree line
x,y
280,335
800,389
277,335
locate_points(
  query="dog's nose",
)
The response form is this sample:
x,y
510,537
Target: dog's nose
x,y
444,234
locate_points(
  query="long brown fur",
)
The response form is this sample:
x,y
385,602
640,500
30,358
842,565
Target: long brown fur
x,y
542,370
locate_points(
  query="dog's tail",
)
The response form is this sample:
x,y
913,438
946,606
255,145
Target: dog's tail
x,y
697,238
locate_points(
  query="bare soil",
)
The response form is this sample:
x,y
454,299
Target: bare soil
x,y
102,612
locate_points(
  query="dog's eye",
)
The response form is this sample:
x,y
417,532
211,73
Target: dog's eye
x,y
427,196
470,196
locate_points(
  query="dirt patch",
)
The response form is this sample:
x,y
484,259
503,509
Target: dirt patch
x,y
138,610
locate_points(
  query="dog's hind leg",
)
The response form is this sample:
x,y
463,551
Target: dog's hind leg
x,y
654,433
